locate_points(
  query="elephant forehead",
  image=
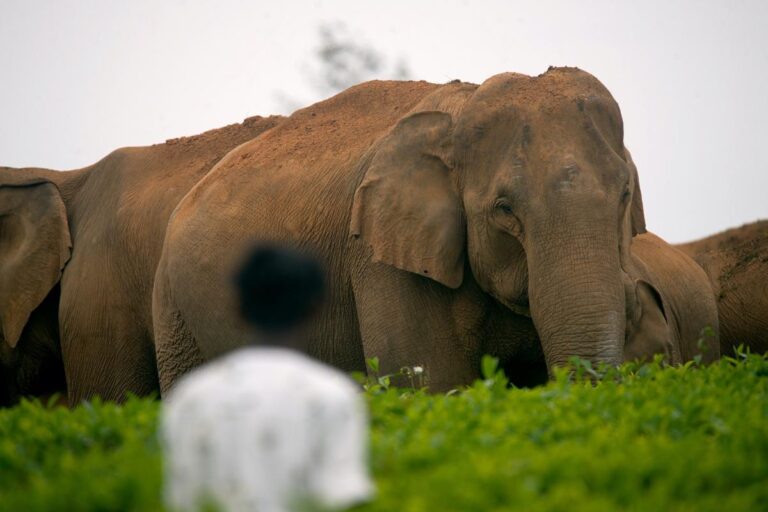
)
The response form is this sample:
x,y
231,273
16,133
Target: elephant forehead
x,y
555,83
535,107
511,130
513,139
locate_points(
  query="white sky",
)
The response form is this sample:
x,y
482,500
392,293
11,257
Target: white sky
x,y
81,78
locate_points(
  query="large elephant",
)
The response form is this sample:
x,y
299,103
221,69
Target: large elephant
x,y
78,254
449,216
736,261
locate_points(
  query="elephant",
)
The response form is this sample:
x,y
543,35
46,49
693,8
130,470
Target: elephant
x,y
672,311
78,254
453,219
736,261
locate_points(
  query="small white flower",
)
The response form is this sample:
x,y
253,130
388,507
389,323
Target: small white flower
x,y
418,370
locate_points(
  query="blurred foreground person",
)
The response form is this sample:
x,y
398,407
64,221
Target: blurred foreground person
x,y
266,428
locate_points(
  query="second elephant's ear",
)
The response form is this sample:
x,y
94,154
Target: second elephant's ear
x,y
34,247
649,330
637,214
407,207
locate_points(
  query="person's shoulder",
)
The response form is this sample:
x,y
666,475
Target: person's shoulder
x,y
329,381
214,377
298,368
264,371
304,376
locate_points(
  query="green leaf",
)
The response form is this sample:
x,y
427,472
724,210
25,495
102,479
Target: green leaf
x,y
488,366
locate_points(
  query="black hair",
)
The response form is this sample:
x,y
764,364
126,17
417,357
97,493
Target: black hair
x,y
279,288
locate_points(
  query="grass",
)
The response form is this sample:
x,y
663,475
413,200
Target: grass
x,y
638,438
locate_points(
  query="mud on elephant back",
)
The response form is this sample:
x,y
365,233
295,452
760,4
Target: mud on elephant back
x,y
455,220
736,261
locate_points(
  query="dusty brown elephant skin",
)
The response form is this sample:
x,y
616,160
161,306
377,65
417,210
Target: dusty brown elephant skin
x,y
671,305
736,261
446,215
78,253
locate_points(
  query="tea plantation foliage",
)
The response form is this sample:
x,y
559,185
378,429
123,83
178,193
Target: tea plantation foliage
x,y
640,438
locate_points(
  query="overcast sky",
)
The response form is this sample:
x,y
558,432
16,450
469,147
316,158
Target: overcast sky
x,y
81,78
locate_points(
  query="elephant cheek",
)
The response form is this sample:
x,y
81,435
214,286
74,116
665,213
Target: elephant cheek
x,y
501,270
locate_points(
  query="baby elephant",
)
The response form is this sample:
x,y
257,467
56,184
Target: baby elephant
x,y
736,261
670,305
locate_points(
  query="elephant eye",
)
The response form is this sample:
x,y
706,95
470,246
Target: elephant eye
x,y
625,196
506,218
504,207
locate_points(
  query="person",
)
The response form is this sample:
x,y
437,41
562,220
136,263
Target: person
x,y
266,428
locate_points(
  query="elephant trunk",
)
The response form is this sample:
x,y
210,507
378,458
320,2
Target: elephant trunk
x,y
577,296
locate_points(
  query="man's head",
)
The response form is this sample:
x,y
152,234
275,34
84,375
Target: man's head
x,y
279,289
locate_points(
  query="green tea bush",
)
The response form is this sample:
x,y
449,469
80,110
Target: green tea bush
x,y
98,456
638,438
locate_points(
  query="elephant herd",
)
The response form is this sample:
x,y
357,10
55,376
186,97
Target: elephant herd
x,y
453,220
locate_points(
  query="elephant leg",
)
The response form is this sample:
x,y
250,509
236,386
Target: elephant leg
x,y
104,358
106,344
407,320
176,348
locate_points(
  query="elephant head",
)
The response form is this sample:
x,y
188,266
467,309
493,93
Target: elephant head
x,y
527,186
34,247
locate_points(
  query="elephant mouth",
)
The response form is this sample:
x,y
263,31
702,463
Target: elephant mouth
x,y
519,306
522,310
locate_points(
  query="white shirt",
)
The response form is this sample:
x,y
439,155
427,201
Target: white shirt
x,y
263,429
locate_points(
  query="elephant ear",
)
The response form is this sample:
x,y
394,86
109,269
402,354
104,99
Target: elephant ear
x,y
650,332
407,207
637,214
34,247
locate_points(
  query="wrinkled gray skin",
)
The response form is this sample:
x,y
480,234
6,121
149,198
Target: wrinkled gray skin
x,y
78,254
446,214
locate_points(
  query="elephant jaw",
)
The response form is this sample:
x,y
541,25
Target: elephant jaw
x,y
519,307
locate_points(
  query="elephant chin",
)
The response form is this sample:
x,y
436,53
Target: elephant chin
x,y
518,307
